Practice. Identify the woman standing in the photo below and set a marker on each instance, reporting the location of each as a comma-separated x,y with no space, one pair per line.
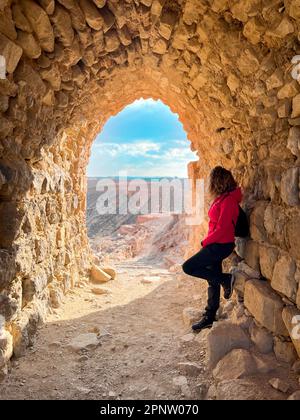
218,244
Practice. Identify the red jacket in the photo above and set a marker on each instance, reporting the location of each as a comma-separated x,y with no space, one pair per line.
223,215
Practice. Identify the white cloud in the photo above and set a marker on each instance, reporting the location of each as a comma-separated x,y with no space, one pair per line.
141,148
142,104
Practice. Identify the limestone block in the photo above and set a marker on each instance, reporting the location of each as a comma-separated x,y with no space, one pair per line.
294,141
6,345
147,3
29,44
265,305
33,80
296,106
110,271
295,396
98,275
262,338
160,47
40,24
87,341
283,279
193,10
284,28
241,10
274,222
100,3
285,351
289,90
252,255
293,236
268,257
253,30
108,20
62,25
275,80
291,318
284,108
156,8
237,364
233,82
92,14
223,338
9,305
279,384
112,41
20,19
294,9
290,186
167,23
33,286
257,227
12,219
7,25
189,368
11,52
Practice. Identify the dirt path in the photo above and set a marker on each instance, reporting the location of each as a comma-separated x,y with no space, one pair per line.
140,348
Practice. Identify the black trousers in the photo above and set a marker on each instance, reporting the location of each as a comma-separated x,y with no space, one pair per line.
207,264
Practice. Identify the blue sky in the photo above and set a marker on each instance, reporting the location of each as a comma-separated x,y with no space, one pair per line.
145,139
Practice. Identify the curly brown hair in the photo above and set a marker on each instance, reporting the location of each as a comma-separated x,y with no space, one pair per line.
221,181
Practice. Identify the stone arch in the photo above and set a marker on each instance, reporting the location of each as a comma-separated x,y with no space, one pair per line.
223,66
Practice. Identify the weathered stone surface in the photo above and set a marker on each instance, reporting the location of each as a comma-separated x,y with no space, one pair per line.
84,342
291,318
295,396
110,271
239,389
189,368
6,346
20,19
160,47
252,255
11,52
52,76
99,291
280,385
265,305
290,187
262,339
92,15
48,6
28,44
294,140
283,279
257,228
7,25
293,236
112,41
296,106
268,257
237,364
98,275
284,351
62,25
223,338
40,24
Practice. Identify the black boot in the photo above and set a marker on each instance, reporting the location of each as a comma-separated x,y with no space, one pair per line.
229,287
206,322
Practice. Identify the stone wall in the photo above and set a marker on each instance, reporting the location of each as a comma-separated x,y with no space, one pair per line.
224,66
